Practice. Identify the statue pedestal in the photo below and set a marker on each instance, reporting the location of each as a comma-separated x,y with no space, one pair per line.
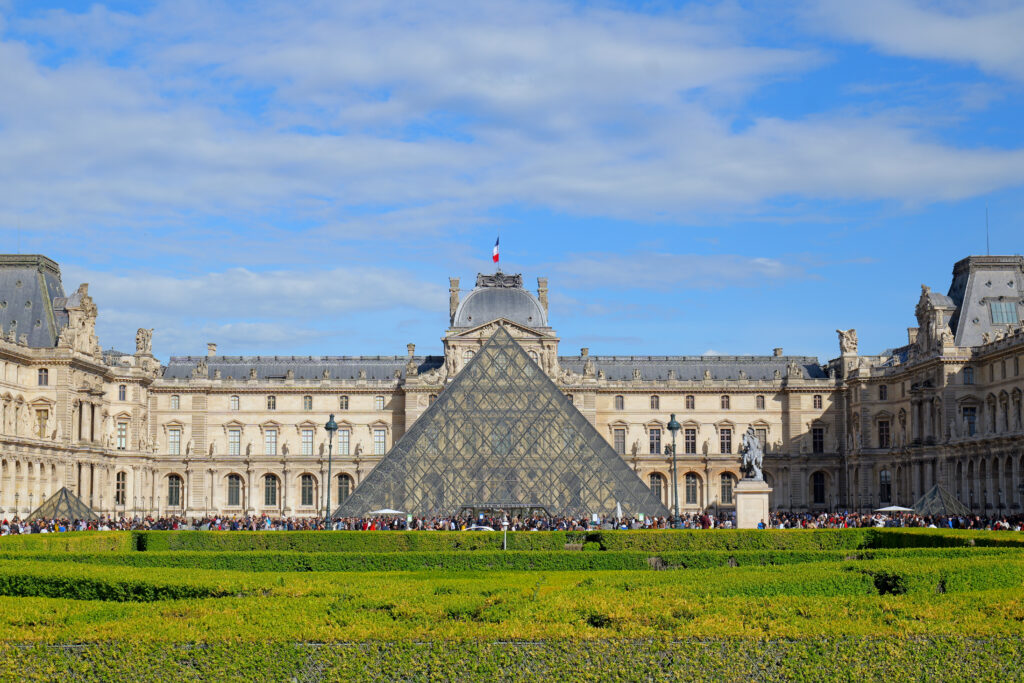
751,503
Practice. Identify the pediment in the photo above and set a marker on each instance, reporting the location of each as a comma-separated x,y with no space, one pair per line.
485,331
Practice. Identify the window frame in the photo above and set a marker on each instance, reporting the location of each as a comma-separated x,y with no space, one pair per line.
690,402
271,402
654,440
234,486
306,437
307,485
234,441
234,403
620,402
759,402
270,441
307,402
120,488
725,440
379,403
122,392
343,402
175,489
270,490
43,377
817,402
380,441
655,402
175,402
725,402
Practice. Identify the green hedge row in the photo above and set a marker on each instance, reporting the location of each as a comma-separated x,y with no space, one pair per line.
513,560
74,542
727,659
111,590
456,541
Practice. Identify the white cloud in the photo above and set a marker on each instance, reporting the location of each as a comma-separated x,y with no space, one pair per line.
242,309
983,33
661,271
415,117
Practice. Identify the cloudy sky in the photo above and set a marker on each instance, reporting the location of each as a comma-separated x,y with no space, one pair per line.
302,178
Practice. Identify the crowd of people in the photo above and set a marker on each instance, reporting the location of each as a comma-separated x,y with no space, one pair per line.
777,520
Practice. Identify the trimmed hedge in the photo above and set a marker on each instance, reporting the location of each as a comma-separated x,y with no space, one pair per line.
69,542
483,560
693,659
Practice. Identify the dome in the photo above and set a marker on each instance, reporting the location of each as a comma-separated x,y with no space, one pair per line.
485,304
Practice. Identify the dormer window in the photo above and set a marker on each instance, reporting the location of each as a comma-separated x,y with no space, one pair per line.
1003,312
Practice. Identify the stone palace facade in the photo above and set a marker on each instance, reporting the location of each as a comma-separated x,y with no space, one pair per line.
244,434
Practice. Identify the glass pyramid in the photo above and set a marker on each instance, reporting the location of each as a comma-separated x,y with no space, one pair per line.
63,505
939,501
502,436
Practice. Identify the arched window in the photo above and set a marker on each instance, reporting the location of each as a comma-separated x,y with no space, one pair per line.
121,488
307,403
270,490
657,486
534,357
44,377
725,403
692,489
817,402
727,484
174,486
467,356
271,402
175,402
344,487
818,488
343,403
655,403
885,486
690,402
234,490
760,402
620,403
307,489
122,392
234,403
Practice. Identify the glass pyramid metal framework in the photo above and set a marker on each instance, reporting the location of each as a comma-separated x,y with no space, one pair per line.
63,505
502,436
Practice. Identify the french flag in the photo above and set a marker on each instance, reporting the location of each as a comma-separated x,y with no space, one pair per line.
494,254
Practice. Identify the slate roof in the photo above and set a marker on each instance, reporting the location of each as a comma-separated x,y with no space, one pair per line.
303,367
29,287
499,296
617,368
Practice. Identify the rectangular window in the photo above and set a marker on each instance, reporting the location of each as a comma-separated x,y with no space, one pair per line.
234,403
174,441
378,403
44,377
762,436
122,436
307,403
41,417
655,442
175,402
270,442
620,441
1004,312
883,392
343,440
971,419
307,442
234,442
120,488
690,441
307,489
883,433
725,439
818,440
122,392
380,441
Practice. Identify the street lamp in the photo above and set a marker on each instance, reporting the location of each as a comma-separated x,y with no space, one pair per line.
673,426
331,427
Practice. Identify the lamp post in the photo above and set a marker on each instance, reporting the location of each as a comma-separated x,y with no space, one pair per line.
331,427
673,426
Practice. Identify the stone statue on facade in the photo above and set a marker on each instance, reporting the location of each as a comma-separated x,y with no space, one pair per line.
144,341
753,456
847,340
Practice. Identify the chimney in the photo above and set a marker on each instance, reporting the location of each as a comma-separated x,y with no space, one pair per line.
777,351
211,349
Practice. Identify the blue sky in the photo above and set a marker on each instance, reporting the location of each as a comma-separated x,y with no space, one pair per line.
691,177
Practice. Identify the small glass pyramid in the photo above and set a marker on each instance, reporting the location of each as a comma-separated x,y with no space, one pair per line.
502,436
63,505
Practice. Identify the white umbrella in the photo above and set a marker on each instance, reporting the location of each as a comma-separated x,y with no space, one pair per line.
385,511
894,508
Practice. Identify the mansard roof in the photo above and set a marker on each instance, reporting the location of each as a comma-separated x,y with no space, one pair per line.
302,367
618,368
29,286
499,296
